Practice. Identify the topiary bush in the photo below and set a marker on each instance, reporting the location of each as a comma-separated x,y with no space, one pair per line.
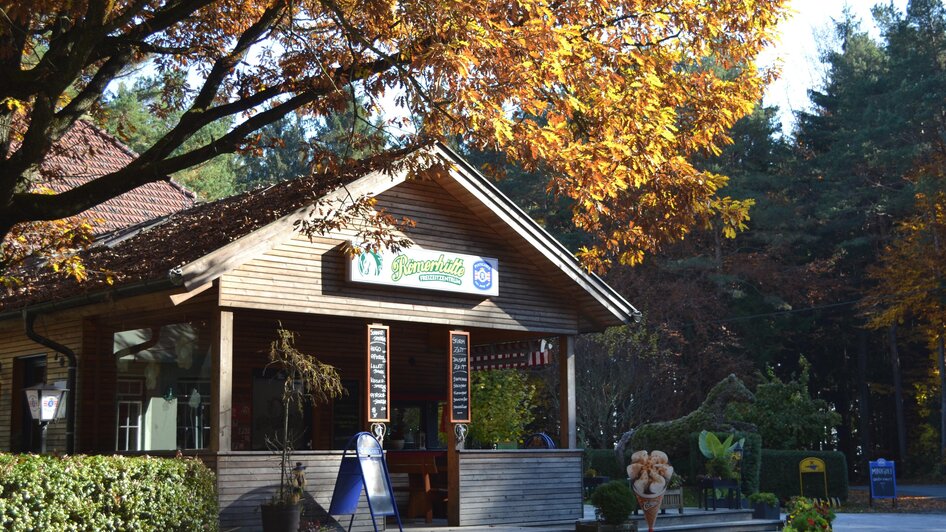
106,493
614,500
780,474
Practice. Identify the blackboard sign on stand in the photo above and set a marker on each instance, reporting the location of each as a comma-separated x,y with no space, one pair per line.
883,480
459,377
379,397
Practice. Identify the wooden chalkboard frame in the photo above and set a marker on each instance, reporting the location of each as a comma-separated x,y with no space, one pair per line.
450,359
387,373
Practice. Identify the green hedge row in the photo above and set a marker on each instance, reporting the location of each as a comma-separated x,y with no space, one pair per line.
604,461
106,493
780,474
751,466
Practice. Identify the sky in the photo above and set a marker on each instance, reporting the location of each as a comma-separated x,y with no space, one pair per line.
808,27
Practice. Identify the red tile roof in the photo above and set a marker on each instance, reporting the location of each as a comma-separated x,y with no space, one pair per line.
86,152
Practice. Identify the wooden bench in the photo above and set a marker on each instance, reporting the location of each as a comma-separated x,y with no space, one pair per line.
419,467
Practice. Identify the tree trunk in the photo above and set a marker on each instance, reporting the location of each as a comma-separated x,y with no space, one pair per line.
864,395
898,392
942,399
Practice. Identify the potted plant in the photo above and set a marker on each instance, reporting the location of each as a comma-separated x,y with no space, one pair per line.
719,455
720,471
613,503
306,381
764,505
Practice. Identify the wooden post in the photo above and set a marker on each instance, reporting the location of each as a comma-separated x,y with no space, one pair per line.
453,478
221,382
568,435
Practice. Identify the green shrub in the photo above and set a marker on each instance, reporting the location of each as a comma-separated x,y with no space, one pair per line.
750,466
780,474
501,401
78,493
614,500
605,463
764,497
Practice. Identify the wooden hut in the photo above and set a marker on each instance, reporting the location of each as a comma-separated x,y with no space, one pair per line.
172,355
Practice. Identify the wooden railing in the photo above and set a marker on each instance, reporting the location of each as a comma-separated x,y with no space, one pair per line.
520,486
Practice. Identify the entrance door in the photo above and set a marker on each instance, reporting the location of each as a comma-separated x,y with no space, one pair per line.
25,433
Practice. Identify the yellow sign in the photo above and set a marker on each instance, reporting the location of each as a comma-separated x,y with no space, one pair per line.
811,465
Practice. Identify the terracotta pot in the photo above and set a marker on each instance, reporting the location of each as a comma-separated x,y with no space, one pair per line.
281,517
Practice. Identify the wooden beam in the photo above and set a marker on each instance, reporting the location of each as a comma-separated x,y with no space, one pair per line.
177,299
221,381
568,431
453,478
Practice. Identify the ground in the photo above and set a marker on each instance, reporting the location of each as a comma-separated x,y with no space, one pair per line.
911,499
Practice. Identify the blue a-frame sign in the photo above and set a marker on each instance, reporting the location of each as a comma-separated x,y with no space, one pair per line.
368,470
883,480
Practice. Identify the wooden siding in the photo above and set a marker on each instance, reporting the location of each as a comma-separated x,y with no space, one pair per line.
524,486
245,480
15,344
87,331
299,275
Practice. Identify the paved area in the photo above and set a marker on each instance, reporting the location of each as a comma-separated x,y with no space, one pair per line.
903,522
843,523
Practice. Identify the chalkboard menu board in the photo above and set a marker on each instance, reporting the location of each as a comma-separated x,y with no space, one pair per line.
346,414
459,377
883,479
379,399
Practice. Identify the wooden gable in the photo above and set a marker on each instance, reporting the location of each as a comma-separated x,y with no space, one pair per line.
300,275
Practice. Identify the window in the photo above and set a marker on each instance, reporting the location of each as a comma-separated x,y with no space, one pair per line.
162,388
129,426
193,414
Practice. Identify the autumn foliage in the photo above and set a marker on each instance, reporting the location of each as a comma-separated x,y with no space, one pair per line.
609,98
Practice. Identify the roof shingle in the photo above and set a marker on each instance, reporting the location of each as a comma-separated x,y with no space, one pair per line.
86,152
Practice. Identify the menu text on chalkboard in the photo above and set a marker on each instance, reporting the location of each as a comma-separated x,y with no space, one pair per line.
379,398
459,377
883,479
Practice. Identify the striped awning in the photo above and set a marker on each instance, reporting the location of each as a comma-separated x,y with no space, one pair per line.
511,355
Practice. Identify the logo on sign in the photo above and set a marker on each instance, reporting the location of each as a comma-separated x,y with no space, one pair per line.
369,263
482,275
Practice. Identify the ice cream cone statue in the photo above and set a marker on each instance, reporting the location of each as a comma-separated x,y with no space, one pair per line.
649,474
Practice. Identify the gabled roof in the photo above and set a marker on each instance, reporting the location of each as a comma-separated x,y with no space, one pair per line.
86,152
198,245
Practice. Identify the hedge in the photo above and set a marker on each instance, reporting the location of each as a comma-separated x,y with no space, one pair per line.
605,462
780,474
106,493
751,466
